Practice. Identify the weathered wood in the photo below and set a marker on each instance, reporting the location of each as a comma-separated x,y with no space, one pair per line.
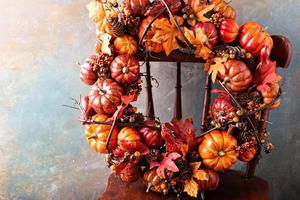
178,103
206,102
149,104
232,187
175,56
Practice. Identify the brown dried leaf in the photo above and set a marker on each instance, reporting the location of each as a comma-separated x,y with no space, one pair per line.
191,187
216,65
198,174
105,41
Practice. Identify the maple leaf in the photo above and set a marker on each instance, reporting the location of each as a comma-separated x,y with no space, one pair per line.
167,33
198,40
200,9
198,174
215,66
179,136
166,163
96,11
104,40
191,187
265,74
200,14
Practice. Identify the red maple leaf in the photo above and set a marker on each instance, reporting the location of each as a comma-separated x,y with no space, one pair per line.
179,136
166,163
265,74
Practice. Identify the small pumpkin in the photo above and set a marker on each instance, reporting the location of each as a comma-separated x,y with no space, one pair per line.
237,75
129,139
147,42
210,31
222,7
218,150
137,7
253,37
105,96
97,134
229,30
211,184
247,155
222,109
88,71
151,137
125,44
270,95
153,181
125,69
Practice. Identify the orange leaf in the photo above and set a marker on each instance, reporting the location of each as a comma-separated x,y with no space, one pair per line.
167,33
191,187
198,40
200,14
216,65
96,11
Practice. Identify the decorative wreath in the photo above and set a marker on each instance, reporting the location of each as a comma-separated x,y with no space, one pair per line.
170,157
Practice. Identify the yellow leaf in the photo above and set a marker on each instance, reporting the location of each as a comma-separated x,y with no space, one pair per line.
200,14
184,148
216,65
166,33
105,41
96,11
191,187
198,174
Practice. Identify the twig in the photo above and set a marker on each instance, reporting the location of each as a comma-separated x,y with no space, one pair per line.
215,128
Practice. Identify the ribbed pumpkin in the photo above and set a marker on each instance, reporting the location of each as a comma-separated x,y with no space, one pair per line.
97,134
152,181
229,30
125,69
254,37
105,96
210,31
270,95
211,184
137,7
221,109
218,150
88,71
224,8
150,136
247,155
238,74
147,42
125,44
129,139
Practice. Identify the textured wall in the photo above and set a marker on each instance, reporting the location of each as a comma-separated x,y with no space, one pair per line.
43,153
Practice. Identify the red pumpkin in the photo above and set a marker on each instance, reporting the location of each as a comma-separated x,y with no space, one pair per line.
129,139
88,71
125,69
210,31
137,7
97,134
238,75
222,108
150,136
211,184
218,150
105,96
229,30
125,44
223,7
147,42
253,37
247,155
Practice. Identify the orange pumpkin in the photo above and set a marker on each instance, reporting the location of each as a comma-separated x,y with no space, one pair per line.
247,155
254,37
129,139
211,184
147,43
153,181
270,95
97,134
125,44
238,75
224,8
218,150
229,30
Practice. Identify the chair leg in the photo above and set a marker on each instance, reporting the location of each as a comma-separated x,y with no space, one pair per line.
206,102
149,104
178,103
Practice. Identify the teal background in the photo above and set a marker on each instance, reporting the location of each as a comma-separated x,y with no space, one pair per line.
43,152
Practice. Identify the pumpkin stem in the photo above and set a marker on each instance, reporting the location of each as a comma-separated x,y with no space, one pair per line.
125,70
222,153
148,187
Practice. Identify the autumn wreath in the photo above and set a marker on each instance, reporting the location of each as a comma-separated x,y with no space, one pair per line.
170,156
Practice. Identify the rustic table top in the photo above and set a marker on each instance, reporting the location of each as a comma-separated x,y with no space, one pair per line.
232,187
